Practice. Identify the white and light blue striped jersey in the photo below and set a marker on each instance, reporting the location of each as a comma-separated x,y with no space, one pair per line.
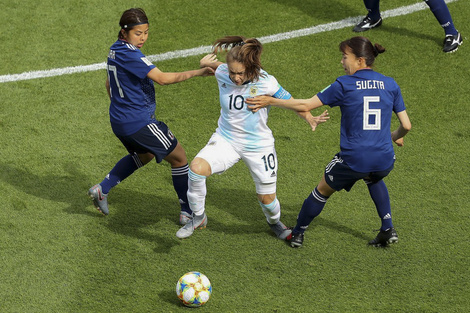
245,130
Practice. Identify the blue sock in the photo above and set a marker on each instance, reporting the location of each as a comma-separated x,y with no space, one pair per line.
373,6
180,183
312,206
379,194
441,12
123,169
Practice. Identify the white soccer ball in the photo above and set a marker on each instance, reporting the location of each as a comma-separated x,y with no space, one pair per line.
193,289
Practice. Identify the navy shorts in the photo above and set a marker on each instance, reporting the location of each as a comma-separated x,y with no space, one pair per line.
339,175
155,138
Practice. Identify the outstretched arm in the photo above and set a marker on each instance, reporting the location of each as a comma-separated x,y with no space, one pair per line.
299,105
403,129
163,78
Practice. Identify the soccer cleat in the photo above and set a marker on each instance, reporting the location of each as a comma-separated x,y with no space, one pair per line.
367,24
452,43
194,223
281,230
100,200
385,238
295,240
185,217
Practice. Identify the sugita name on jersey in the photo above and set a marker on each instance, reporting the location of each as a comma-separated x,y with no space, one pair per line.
370,84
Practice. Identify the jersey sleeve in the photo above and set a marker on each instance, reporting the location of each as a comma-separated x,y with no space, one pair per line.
398,103
221,71
332,94
137,64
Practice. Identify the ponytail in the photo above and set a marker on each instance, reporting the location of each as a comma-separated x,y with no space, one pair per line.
242,50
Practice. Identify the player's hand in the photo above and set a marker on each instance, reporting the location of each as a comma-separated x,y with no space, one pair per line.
314,121
258,102
399,142
209,60
207,71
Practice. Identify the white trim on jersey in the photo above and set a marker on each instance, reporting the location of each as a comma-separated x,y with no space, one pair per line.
132,47
159,134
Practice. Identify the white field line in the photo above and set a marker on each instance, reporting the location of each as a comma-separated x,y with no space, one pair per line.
348,22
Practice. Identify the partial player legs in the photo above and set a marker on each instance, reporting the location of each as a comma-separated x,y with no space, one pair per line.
196,196
123,169
272,211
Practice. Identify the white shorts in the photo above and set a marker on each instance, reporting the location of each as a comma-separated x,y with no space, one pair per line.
221,156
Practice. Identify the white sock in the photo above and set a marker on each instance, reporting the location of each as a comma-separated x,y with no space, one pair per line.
272,211
196,192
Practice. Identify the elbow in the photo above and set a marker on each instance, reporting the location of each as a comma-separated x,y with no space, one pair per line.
407,127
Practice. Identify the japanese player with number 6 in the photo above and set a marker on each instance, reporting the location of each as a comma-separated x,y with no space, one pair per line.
241,133
366,99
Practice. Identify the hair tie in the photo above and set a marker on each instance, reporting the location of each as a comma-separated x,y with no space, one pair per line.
376,51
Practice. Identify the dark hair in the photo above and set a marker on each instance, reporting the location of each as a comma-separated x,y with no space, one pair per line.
131,18
362,47
246,51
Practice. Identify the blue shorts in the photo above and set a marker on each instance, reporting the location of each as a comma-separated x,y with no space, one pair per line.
155,138
339,175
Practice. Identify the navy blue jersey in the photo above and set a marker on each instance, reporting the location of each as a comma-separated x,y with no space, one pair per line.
367,100
132,92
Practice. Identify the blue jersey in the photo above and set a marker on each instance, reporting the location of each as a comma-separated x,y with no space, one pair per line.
132,92
367,100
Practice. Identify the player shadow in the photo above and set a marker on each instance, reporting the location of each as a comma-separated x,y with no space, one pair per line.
130,214
50,187
323,10
341,228
133,212
236,204
405,32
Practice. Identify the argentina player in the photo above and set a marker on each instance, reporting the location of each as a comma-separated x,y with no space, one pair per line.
366,99
132,112
241,134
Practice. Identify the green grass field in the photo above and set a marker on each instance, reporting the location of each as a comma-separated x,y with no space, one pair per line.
58,254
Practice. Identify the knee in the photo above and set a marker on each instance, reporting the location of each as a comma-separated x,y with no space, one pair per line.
201,167
267,199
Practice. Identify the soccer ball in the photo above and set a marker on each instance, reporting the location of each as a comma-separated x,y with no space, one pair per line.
193,289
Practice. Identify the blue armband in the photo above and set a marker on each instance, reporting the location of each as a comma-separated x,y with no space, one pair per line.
281,93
